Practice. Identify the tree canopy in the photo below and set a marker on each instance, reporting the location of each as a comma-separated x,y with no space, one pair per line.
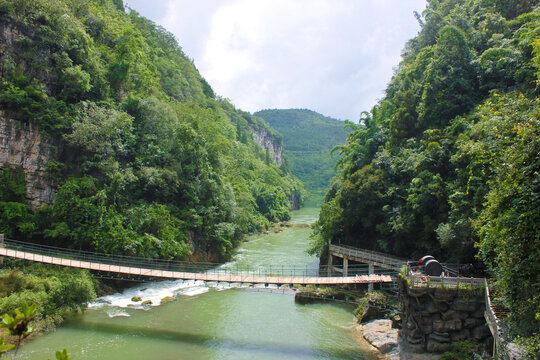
447,162
154,163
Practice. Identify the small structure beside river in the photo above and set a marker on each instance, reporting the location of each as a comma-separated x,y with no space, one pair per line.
435,316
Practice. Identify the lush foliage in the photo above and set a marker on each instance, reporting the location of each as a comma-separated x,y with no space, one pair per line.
18,326
447,162
463,350
153,163
16,217
308,137
55,291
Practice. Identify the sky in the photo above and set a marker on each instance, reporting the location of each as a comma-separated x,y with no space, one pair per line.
332,56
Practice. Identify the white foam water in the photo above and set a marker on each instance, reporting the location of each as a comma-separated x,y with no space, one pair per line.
154,292
116,312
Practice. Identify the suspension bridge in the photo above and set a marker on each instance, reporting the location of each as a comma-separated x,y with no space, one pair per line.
378,268
140,268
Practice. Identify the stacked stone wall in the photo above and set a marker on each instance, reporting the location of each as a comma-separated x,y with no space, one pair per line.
433,318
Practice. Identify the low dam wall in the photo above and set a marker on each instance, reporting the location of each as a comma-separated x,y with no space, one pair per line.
434,317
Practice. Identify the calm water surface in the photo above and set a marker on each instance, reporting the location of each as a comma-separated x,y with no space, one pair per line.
210,321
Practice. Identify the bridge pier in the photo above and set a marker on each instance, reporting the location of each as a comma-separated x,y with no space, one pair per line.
329,270
371,270
345,266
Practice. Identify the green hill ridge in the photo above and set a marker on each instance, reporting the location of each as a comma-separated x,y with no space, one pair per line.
308,139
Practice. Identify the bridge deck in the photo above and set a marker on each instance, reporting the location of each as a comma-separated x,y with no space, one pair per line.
206,276
367,256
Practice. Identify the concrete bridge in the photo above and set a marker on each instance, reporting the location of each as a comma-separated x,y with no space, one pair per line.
162,269
372,258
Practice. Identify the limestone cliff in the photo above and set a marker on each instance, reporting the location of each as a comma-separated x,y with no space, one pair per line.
266,140
296,199
23,146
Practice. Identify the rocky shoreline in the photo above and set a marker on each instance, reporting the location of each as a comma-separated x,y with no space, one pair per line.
386,341
374,331
380,334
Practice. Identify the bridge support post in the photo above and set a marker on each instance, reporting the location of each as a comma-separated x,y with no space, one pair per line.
345,266
371,270
329,270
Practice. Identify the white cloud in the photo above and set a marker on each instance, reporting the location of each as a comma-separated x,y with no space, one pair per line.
332,56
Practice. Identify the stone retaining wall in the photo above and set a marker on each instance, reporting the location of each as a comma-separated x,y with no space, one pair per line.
432,318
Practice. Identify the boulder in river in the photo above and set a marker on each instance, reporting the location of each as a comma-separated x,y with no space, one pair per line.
167,299
372,306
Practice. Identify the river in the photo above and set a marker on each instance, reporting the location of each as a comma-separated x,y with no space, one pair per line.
213,321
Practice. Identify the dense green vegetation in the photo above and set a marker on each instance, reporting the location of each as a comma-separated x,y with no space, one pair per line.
55,291
153,163
308,137
18,327
447,162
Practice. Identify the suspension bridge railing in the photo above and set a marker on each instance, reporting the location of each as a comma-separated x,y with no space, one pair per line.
38,250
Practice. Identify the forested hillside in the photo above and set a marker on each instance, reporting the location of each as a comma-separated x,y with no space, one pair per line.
148,161
447,163
308,137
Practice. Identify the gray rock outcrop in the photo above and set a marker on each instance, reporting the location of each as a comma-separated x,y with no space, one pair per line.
380,334
267,141
24,147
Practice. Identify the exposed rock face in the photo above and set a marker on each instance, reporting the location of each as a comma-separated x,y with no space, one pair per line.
295,200
23,146
380,334
11,47
267,141
275,147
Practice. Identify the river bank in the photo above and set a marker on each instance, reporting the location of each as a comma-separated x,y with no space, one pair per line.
213,320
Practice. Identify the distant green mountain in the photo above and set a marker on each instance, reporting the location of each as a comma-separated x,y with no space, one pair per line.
308,138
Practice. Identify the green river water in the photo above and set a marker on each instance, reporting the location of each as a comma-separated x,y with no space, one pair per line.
213,322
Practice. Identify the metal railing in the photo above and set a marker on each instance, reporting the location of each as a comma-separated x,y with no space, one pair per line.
501,348
377,258
114,261
418,279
